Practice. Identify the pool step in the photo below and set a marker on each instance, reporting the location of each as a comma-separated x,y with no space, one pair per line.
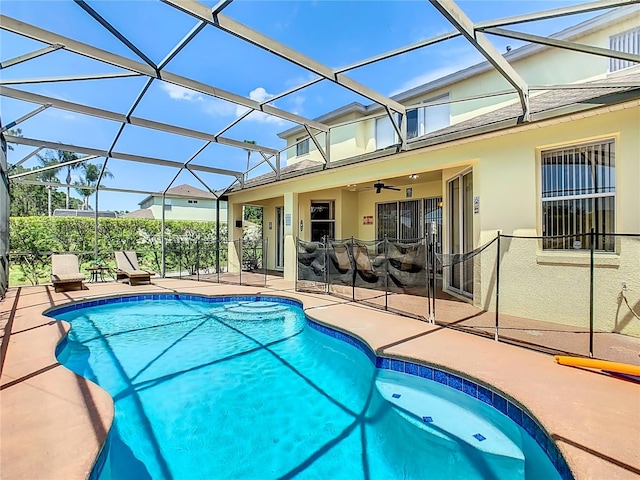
451,416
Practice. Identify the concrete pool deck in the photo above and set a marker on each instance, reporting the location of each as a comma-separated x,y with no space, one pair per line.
53,423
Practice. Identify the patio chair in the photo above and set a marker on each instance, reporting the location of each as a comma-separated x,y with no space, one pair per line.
128,268
65,272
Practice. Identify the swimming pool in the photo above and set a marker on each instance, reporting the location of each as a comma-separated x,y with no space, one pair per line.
248,388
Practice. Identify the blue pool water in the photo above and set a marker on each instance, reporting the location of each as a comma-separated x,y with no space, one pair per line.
247,390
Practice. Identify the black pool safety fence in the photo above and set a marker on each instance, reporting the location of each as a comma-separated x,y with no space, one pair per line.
572,294
241,262
201,259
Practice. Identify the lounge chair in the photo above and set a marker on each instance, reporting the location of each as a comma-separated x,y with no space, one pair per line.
128,268
65,272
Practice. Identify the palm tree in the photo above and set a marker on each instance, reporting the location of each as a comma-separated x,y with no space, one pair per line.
91,173
67,157
48,160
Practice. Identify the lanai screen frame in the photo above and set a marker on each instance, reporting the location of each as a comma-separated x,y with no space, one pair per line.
474,33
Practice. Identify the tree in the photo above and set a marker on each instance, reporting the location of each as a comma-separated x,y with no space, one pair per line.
31,200
68,157
90,179
16,132
47,160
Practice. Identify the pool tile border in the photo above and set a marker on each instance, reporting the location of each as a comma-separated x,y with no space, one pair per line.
467,386
483,393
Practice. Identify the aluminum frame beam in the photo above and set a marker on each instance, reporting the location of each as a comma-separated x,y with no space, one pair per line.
24,117
28,56
69,78
15,26
25,158
114,31
317,144
221,5
565,44
454,14
117,155
121,118
88,187
202,12
400,51
54,167
181,44
556,12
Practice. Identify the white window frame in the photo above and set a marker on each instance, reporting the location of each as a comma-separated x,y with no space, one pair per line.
627,42
384,127
302,146
424,125
332,214
574,177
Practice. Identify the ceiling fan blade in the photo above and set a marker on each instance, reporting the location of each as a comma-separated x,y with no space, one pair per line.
392,188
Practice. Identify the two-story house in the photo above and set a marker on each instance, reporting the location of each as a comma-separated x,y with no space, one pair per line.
473,165
184,202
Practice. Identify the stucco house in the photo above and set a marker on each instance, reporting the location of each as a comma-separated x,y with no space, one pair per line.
184,202
474,164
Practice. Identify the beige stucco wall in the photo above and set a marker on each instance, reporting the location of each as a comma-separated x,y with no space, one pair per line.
541,285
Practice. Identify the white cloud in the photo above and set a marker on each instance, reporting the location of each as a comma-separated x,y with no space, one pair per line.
259,95
298,101
177,92
460,64
221,108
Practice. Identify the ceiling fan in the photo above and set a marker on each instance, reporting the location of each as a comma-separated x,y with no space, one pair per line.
379,186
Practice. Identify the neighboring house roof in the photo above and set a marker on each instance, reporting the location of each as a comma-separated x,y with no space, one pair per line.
63,212
581,29
141,213
550,104
183,191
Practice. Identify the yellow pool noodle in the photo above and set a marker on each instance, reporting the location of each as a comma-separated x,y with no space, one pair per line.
600,364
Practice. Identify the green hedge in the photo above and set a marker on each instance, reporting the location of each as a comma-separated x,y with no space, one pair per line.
190,246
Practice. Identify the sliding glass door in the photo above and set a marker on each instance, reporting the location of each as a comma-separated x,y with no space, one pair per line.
460,191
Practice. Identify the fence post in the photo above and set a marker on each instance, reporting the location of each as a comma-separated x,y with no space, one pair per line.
240,248
198,259
425,242
265,249
353,277
325,241
591,285
496,335
386,272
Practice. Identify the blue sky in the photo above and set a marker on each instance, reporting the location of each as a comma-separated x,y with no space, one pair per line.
336,33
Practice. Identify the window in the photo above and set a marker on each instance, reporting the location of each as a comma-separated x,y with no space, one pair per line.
167,204
408,220
578,193
385,133
423,120
302,148
628,42
322,220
